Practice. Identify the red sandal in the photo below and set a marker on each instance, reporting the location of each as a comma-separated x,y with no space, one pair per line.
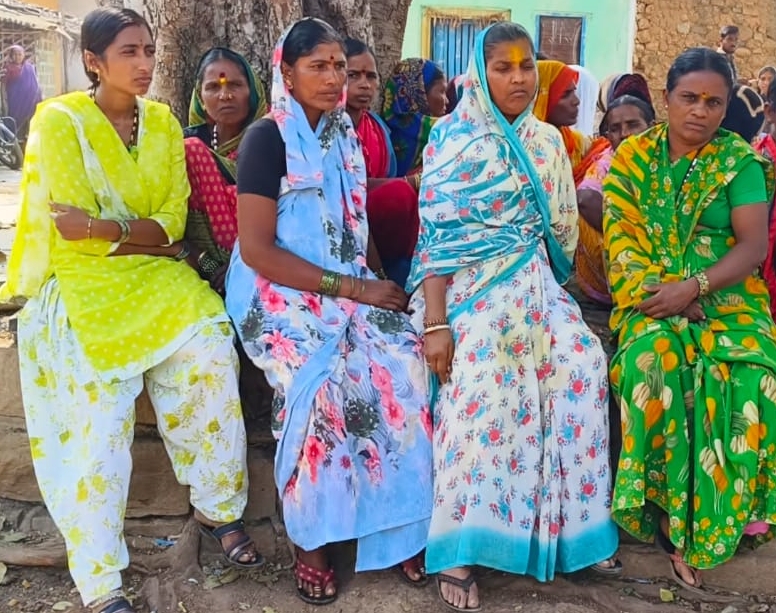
319,580
416,563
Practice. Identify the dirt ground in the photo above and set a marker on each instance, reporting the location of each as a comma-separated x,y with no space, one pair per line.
207,587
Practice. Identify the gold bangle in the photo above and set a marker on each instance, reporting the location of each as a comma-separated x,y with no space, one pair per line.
431,329
352,293
429,323
89,228
703,283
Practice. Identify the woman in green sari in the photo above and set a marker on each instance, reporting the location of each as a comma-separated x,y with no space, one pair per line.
226,99
685,226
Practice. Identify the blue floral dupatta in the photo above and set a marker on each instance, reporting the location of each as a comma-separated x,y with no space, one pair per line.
479,184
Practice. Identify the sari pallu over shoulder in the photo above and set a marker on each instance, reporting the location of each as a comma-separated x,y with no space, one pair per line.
489,165
75,157
643,235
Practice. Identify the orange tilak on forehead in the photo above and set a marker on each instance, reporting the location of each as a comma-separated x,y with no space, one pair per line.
222,80
516,54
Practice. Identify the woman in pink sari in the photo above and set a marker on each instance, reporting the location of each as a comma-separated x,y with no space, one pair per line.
392,203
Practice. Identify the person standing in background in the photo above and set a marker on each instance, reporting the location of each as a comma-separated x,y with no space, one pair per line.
22,90
728,43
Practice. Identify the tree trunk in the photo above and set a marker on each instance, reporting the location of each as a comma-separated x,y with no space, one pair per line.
187,28
388,22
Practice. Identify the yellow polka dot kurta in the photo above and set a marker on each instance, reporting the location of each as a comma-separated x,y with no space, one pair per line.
128,312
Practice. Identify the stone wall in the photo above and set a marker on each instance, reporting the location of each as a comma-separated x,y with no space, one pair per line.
664,28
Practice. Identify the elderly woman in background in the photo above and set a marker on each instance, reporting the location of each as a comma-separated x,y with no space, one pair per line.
22,90
414,98
625,116
391,202
226,98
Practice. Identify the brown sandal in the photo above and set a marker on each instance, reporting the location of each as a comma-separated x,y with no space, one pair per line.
319,579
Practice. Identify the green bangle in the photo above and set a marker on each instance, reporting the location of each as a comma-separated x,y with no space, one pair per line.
207,265
330,283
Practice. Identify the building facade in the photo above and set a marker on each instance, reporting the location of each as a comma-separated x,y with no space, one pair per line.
47,36
597,34
664,28
605,36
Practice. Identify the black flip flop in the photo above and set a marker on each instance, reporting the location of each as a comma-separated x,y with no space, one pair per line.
464,584
608,571
119,606
239,549
665,545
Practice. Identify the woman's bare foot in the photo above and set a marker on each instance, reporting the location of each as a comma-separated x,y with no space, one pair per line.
461,594
318,560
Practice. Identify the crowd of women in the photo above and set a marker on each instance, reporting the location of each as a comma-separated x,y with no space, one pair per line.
399,279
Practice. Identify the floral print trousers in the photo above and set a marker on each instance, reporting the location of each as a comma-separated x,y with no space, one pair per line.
81,429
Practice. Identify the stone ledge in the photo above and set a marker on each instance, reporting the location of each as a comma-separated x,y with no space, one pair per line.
153,489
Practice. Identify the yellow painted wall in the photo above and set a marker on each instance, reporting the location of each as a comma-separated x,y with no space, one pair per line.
49,4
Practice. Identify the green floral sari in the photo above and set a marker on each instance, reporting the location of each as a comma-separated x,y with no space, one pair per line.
698,400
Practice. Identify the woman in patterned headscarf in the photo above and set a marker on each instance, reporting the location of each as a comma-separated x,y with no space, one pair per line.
226,99
413,100
351,411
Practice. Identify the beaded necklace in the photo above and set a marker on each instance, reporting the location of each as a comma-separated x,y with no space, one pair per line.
132,144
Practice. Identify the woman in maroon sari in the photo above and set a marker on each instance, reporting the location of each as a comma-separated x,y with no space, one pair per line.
392,203
22,91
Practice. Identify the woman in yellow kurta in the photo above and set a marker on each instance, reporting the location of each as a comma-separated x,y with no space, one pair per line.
111,306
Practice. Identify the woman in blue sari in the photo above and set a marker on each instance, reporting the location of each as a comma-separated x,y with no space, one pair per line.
350,410
520,401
